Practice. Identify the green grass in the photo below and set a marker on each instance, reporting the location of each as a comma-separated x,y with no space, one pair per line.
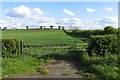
93,67
45,38
24,34
26,64
55,49
0,68
13,66
100,67
40,37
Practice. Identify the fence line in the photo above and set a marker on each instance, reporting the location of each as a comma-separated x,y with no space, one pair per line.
48,48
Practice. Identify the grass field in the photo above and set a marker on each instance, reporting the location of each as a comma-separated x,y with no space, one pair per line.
21,65
39,36
26,34
56,41
51,41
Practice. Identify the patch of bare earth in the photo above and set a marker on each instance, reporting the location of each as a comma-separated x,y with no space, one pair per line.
58,69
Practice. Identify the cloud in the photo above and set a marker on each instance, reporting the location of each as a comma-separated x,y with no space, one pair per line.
69,12
109,21
89,24
72,22
90,10
107,9
3,23
11,23
67,22
37,11
22,16
21,11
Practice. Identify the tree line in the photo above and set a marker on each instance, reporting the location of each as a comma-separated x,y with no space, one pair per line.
51,27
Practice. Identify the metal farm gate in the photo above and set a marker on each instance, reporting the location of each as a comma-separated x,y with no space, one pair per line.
53,46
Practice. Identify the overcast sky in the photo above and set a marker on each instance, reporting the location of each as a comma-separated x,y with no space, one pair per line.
84,15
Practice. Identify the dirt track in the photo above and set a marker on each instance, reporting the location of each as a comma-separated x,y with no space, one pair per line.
58,69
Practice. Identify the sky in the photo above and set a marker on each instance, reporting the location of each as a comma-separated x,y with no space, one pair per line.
81,15
59,0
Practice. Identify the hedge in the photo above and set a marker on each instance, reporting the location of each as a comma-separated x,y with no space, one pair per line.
9,46
89,33
104,44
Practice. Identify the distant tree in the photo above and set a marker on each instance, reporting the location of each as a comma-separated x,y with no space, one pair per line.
109,30
59,27
0,28
44,27
63,28
27,27
51,26
40,27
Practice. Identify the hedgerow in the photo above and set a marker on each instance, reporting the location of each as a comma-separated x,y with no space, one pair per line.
9,47
88,33
104,44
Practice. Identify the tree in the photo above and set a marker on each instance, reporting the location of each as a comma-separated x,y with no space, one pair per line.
59,27
51,26
40,27
63,28
109,30
44,27
27,27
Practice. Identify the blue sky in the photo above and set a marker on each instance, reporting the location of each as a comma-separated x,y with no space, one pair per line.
59,0
65,12
55,8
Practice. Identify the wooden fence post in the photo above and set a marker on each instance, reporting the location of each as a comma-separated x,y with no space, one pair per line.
20,47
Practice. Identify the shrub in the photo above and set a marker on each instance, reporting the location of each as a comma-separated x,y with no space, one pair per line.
103,44
9,47
110,30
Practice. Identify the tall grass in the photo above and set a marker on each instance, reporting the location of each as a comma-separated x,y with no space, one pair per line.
21,64
105,68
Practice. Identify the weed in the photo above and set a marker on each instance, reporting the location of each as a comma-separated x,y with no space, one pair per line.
43,70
